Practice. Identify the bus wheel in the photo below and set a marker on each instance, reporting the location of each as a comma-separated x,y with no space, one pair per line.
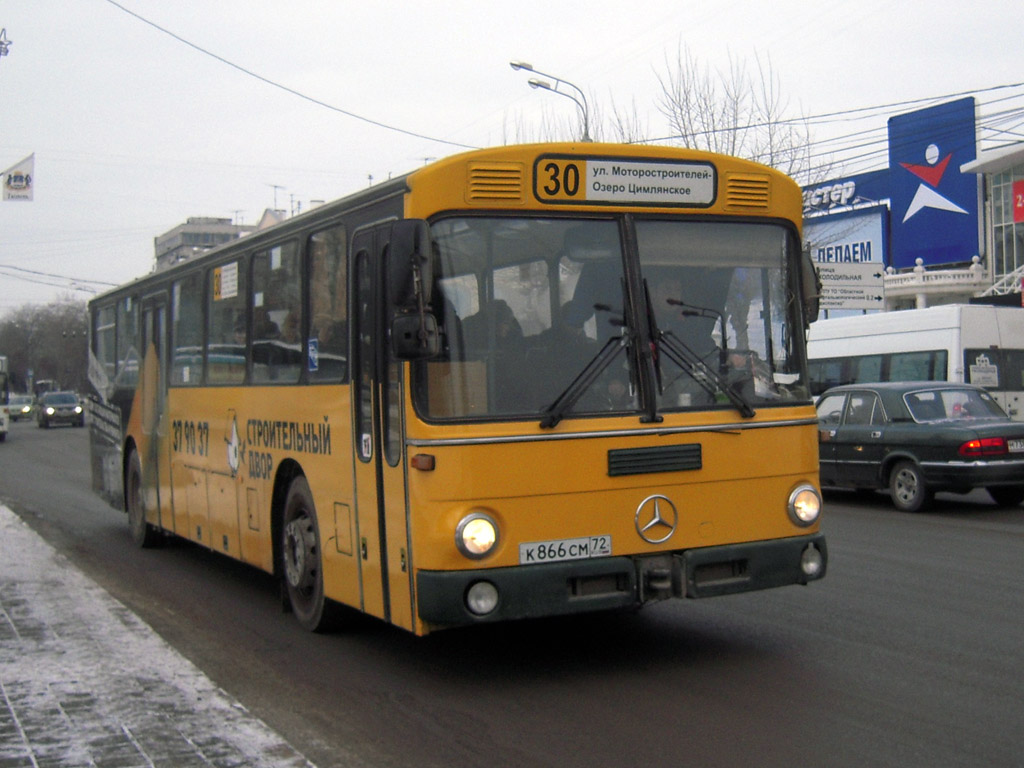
909,491
1006,495
300,554
143,534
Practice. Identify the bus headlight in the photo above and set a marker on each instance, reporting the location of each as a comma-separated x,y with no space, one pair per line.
476,535
804,505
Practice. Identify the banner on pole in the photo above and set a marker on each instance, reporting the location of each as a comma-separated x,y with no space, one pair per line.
19,181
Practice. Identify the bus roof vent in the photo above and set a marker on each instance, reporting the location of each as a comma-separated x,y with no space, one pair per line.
747,190
490,181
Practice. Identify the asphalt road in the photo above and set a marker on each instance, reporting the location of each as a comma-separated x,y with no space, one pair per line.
909,653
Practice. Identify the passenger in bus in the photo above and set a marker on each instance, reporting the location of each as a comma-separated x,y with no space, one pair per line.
494,335
290,328
690,320
493,328
598,295
264,327
558,355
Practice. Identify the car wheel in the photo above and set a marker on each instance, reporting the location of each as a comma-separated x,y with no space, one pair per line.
143,534
1007,495
910,493
302,560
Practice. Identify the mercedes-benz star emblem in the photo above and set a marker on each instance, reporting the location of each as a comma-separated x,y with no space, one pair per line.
656,519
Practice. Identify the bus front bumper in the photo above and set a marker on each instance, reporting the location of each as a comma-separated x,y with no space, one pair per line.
576,586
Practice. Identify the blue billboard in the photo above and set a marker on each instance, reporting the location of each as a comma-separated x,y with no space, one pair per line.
841,194
934,206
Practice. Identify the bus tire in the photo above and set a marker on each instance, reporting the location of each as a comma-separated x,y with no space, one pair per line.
143,534
910,492
1006,495
301,559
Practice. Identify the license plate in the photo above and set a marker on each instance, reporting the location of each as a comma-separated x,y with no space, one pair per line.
1015,446
565,549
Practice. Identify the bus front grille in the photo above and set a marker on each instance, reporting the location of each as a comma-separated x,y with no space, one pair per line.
663,458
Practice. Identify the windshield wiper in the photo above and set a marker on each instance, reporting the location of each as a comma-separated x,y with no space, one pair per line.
689,361
693,364
555,412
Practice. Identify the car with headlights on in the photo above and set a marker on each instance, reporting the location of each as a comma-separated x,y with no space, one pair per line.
22,407
917,438
60,408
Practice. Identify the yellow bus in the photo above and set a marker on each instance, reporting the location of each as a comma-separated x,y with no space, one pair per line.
519,382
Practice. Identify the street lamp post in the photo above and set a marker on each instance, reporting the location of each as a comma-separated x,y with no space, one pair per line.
580,102
5,44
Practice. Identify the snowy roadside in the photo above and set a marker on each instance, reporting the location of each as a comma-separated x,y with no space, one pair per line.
83,681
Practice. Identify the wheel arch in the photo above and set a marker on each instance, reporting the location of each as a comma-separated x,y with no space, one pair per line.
891,461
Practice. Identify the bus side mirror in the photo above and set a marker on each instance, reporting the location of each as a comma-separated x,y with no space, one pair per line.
409,280
810,286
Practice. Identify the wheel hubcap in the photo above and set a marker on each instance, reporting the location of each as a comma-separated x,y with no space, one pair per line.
906,486
299,553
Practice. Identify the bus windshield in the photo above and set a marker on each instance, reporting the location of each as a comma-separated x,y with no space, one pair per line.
554,317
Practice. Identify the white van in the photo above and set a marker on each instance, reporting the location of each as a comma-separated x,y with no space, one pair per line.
964,343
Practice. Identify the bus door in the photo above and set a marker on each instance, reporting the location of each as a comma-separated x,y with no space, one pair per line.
382,523
154,452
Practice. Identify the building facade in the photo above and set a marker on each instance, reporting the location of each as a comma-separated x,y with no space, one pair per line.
943,224
196,235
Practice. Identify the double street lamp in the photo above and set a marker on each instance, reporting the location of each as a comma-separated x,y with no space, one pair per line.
580,102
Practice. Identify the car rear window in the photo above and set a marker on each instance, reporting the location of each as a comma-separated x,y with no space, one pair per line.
952,404
61,400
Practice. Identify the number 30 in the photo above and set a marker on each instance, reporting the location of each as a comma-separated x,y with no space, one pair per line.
562,180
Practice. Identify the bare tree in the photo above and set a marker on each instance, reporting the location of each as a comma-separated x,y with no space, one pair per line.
49,341
734,112
625,124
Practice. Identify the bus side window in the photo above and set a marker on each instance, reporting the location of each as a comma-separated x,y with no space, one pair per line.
104,335
327,361
225,340
277,315
129,356
187,331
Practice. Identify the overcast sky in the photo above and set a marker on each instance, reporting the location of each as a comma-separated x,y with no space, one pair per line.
134,130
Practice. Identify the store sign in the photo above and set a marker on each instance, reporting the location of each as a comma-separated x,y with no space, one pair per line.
934,205
861,189
848,253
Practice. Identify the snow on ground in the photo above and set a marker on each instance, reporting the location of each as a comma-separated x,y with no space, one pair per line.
83,681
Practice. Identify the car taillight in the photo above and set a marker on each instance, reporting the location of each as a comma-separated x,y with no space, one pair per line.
986,446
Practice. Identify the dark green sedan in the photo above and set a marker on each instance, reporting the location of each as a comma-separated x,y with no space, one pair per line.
916,438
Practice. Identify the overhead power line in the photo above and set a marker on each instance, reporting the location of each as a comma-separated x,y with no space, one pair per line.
1008,132
285,88
87,285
